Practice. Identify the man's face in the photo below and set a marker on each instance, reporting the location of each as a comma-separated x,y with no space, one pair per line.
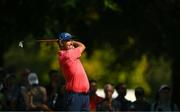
93,87
165,94
122,90
68,44
109,91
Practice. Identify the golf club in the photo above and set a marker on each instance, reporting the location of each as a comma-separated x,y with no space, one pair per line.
21,43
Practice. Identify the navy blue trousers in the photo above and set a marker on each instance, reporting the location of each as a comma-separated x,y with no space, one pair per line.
76,101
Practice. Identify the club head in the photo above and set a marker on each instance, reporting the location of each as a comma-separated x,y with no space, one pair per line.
21,44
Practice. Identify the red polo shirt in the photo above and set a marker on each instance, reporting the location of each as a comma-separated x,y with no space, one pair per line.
94,100
73,70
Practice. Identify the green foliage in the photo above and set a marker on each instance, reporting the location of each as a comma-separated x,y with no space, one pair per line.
98,64
69,4
159,72
38,57
138,74
110,4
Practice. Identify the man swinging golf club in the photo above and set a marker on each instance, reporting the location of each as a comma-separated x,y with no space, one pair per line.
77,84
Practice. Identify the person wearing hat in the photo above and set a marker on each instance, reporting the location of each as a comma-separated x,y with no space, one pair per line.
163,100
77,84
36,96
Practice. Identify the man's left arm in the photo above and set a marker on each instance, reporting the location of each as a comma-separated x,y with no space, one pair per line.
79,44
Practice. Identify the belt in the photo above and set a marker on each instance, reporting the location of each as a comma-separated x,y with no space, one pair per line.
82,93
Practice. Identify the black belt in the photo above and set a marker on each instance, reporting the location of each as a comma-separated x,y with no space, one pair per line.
82,93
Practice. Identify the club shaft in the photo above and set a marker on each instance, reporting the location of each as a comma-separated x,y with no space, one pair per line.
47,40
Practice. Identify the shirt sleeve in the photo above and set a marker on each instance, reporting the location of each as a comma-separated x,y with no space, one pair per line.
75,53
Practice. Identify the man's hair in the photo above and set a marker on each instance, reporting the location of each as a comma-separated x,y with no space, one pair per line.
139,91
53,72
92,80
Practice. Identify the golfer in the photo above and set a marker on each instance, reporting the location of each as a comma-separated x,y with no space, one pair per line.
77,84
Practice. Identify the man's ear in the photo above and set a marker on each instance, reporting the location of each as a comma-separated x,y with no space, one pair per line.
60,43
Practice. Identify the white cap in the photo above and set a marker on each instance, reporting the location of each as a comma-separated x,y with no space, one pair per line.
33,79
163,87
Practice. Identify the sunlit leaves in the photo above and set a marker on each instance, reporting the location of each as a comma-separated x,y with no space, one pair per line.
38,57
110,4
138,74
159,71
69,4
97,66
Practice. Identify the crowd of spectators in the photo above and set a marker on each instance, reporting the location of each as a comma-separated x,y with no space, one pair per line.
27,94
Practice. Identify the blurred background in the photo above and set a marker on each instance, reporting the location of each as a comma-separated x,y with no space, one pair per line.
131,41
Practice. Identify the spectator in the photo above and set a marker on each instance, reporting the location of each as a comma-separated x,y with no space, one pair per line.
140,104
108,104
94,98
60,106
52,88
122,90
2,102
36,95
10,91
163,100
2,74
2,96
54,92
22,88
